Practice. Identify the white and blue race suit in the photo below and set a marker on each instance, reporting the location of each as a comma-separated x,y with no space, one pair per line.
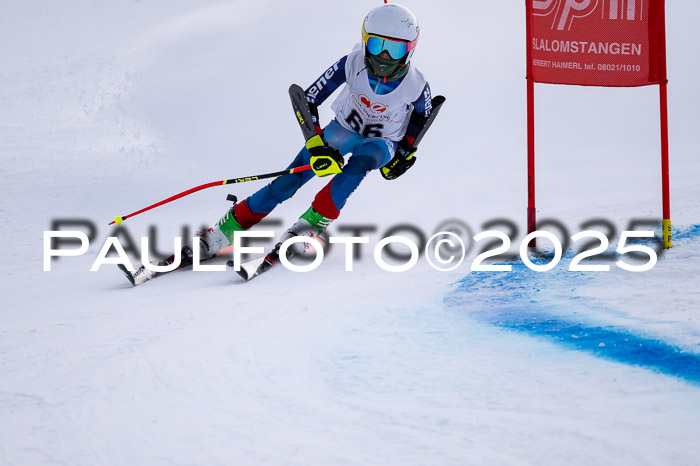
371,117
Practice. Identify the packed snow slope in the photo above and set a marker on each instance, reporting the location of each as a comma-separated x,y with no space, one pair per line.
106,107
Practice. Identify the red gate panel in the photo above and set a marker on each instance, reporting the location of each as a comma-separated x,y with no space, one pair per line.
596,42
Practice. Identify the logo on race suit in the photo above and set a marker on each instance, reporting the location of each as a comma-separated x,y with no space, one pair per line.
322,82
376,107
564,12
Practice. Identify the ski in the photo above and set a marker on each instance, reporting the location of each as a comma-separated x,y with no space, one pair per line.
252,268
142,274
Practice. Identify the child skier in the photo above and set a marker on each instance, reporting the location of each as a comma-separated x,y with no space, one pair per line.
378,115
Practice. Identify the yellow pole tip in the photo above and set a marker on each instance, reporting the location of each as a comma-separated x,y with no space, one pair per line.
118,220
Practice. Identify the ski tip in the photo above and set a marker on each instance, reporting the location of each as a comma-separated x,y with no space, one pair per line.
128,274
244,275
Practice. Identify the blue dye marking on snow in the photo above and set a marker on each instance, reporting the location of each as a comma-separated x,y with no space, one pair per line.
691,233
513,301
609,343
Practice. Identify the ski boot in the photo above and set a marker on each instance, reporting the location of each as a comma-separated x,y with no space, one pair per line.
311,224
214,239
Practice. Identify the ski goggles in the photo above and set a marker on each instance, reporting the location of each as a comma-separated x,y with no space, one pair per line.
397,48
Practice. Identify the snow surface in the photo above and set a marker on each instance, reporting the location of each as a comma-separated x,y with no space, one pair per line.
107,107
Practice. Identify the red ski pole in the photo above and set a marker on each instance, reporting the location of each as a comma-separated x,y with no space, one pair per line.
119,220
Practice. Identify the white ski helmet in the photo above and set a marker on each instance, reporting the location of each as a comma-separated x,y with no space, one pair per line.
391,21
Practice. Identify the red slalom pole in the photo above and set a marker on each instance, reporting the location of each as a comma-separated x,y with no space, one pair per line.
531,212
531,215
119,220
666,190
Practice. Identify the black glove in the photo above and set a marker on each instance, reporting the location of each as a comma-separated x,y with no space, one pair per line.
325,160
404,158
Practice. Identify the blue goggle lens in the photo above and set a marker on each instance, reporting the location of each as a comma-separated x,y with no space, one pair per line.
376,45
